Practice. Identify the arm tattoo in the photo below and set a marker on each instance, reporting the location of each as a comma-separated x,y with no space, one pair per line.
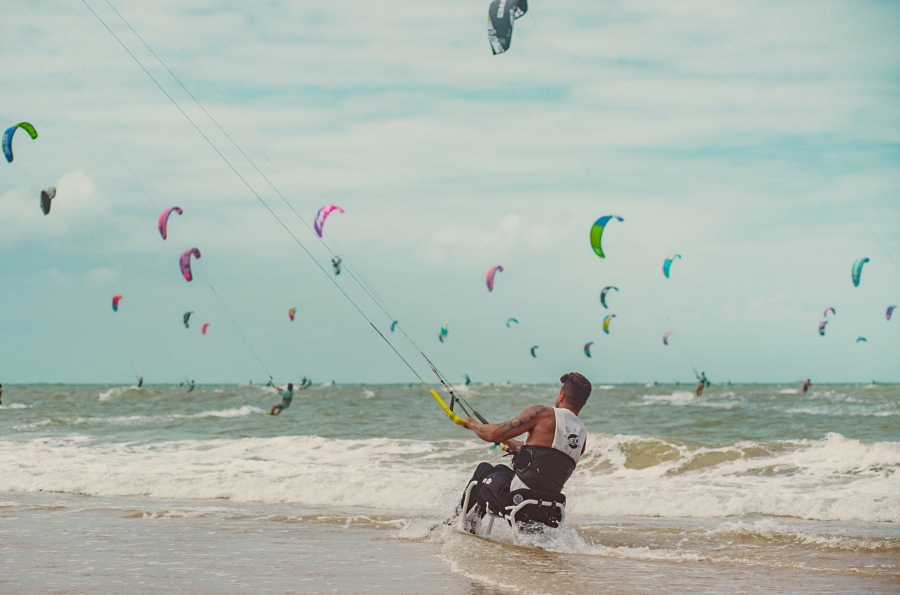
527,416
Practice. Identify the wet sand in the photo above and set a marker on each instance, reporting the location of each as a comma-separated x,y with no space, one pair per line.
67,544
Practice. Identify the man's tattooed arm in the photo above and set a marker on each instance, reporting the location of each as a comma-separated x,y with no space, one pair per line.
509,429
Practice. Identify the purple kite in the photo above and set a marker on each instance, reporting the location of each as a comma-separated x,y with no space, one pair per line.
185,262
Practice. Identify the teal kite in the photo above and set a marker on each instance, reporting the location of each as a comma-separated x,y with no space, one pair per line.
603,293
857,270
8,136
511,320
668,264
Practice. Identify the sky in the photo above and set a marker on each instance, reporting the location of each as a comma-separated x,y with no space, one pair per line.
759,140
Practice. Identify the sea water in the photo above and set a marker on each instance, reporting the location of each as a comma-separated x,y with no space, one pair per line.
743,488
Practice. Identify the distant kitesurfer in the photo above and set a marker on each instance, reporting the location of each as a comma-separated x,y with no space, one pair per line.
468,380
287,395
1,394
549,429
807,384
703,383
140,381
191,387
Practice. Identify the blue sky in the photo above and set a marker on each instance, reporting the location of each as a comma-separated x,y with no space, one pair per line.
757,139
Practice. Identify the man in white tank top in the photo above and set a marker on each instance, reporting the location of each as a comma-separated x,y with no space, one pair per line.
556,427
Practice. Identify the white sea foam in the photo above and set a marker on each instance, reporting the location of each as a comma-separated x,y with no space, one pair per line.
118,390
789,391
236,412
676,398
775,530
15,406
831,479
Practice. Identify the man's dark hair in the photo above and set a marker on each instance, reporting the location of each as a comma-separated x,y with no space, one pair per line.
576,387
290,386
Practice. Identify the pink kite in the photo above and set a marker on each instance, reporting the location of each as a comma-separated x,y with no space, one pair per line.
115,304
204,327
185,262
322,215
164,219
489,278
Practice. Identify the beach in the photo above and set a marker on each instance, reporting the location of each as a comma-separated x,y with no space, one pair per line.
745,489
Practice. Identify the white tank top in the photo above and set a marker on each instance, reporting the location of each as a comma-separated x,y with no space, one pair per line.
570,437
570,433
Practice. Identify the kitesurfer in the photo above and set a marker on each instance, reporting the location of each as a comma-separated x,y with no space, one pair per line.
807,384
1,394
287,395
191,387
703,383
140,381
556,427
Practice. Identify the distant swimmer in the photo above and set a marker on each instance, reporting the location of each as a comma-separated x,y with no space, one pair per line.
807,384
287,395
140,381
703,383
191,387
556,440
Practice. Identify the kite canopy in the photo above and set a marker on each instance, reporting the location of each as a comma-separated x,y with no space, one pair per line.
827,310
8,136
603,293
509,320
204,327
666,336
822,327
47,194
533,354
858,339
115,302
606,322
185,262
857,270
186,318
164,219
587,348
501,16
394,325
292,312
597,233
489,278
444,330
668,264
322,215
889,312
